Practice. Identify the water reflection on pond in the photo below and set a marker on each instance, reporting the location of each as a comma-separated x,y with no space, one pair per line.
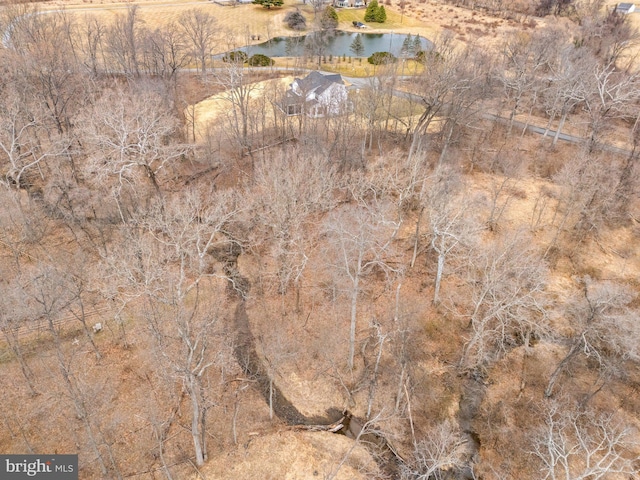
339,43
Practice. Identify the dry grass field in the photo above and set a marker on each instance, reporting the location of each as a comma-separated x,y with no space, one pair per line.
239,23
216,107
236,24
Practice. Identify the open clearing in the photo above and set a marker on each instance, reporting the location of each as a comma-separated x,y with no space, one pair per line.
217,106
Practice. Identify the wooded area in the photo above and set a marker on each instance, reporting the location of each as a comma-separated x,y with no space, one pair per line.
441,282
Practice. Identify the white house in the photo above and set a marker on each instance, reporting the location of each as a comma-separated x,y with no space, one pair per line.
316,95
625,8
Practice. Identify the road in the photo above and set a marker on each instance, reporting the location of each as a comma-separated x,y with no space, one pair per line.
359,83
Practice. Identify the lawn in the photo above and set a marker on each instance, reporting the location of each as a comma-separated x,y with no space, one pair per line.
395,21
350,66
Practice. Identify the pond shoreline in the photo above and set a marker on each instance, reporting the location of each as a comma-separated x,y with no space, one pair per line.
339,43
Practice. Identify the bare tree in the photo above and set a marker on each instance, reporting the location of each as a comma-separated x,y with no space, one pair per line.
122,43
605,91
575,445
526,58
25,144
290,187
93,46
368,105
360,241
610,36
126,132
237,85
507,291
11,321
451,85
587,200
604,328
45,56
451,225
164,52
367,431
200,30
611,93
463,107
49,299
567,89
166,266
317,6
436,455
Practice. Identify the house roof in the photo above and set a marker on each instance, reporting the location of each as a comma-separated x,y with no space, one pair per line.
625,7
318,82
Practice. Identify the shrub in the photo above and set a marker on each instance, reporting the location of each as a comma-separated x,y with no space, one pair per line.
381,58
295,20
259,60
269,3
235,56
428,56
329,18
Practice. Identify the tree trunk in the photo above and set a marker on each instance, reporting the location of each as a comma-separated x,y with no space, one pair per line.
374,380
270,398
439,271
416,242
560,126
195,420
399,393
14,344
83,319
556,373
447,142
352,328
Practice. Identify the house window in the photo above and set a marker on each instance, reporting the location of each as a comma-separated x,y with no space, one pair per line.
294,109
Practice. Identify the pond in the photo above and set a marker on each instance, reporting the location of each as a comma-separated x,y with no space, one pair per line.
339,43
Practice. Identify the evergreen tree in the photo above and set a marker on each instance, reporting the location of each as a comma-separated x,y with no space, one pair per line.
370,13
407,46
381,14
357,47
417,45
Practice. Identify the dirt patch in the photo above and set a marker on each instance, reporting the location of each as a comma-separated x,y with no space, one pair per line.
289,455
216,108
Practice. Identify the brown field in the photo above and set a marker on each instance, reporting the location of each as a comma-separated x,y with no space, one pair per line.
238,24
242,21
